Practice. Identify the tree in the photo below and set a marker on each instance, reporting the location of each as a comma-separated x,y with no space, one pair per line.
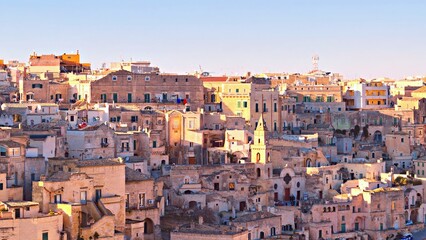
357,129
365,132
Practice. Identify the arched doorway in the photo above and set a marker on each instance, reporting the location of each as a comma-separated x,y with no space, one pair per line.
378,136
358,224
148,226
192,204
308,162
262,235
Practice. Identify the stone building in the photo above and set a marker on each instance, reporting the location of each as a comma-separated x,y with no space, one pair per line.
144,201
205,231
92,142
20,220
151,89
366,95
260,224
90,194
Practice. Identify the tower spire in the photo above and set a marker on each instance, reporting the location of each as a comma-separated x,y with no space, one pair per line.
261,123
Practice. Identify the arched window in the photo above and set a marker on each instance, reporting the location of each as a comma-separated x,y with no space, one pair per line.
273,231
257,157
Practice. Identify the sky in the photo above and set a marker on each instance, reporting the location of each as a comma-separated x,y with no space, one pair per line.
369,39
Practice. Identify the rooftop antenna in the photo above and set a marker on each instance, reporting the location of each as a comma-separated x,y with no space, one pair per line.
315,60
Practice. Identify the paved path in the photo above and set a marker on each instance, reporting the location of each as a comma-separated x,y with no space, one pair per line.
420,235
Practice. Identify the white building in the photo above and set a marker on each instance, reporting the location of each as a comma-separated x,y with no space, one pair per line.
367,95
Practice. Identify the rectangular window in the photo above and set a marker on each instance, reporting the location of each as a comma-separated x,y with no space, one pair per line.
238,104
98,194
275,107
58,198
237,90
127,200
134,145
141,199
264,107
319,99
83,197
343,227
154,144
45,236
3,151
129,97
306,99
1,186
257,107
231,186
134,119
115,97
244,104
147,98
103,98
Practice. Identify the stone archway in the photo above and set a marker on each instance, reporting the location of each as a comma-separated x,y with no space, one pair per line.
359,224
414,214
148,226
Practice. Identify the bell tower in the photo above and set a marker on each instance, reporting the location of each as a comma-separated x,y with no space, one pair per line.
260,153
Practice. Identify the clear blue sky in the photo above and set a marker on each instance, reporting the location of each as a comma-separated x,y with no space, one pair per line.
356,38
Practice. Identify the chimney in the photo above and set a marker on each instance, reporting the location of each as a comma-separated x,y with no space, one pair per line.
200,220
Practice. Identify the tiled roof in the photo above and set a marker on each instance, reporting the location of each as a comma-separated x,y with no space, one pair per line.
10,143
59,177
98,162
254,216
133,175
420,90
209,229
214,79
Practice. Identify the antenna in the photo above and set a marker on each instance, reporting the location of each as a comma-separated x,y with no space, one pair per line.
315,60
